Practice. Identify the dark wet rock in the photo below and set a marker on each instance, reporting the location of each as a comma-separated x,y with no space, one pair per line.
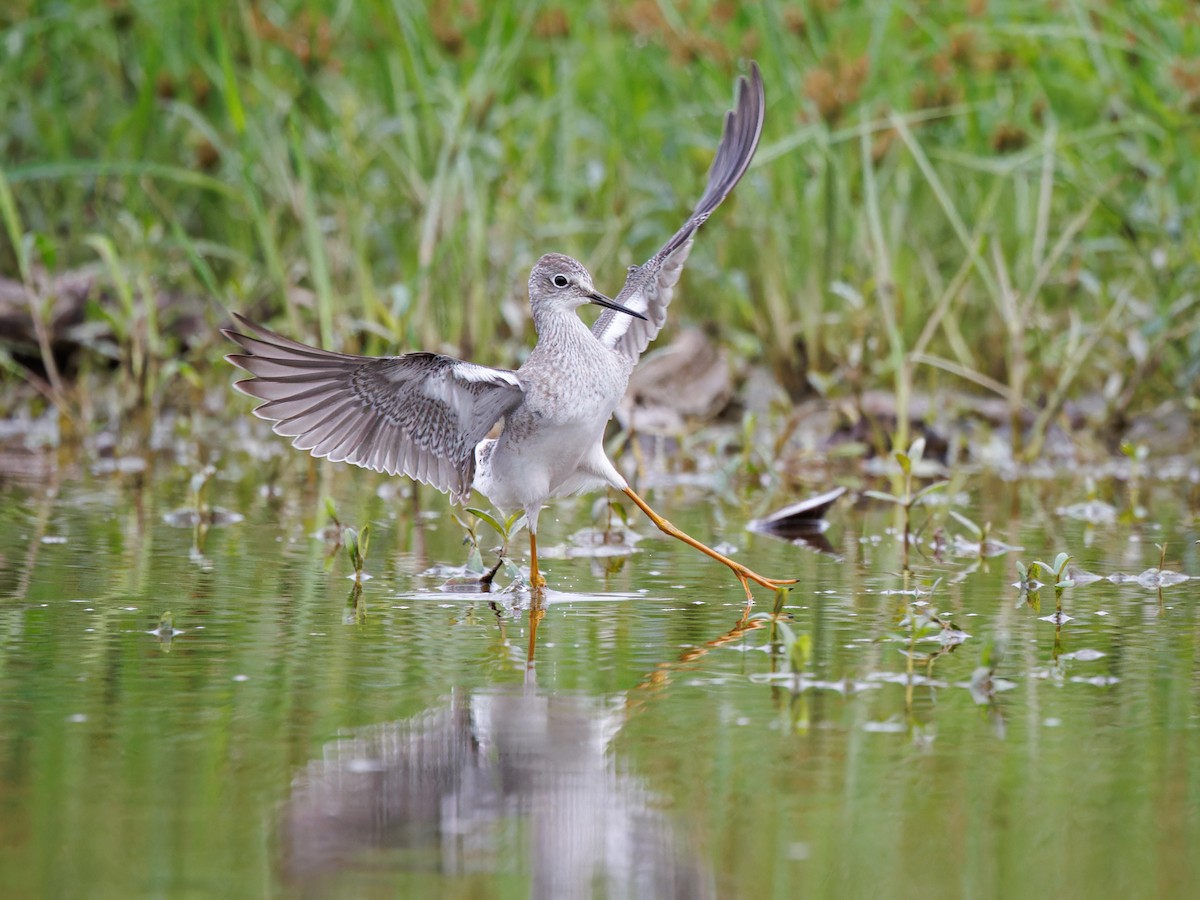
1170,428
469,580
28,447
802,523
67,295
872,422
73,326
804,516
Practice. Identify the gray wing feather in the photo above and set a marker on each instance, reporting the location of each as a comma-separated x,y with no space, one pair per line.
649,287
420,414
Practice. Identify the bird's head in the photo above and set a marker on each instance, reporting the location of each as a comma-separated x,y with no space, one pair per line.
558,282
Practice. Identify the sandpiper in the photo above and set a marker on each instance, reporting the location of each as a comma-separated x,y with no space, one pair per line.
427,416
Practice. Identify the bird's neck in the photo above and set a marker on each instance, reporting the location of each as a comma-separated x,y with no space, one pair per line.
559,326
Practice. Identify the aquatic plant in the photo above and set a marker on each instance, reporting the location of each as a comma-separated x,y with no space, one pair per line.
908,498
1030,584
475,573
357,541
794,648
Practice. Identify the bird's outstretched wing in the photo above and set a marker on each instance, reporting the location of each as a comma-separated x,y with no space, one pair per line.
648,288
420,414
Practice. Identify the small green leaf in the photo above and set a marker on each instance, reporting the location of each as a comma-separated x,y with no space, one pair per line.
620,512
489,519
364,541
47,250
12,225
189,374
905,462
513,525
916,451
880,495
929,489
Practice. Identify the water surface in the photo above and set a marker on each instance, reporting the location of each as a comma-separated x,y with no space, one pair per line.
294,739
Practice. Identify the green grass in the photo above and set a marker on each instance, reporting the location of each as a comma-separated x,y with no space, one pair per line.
1001,199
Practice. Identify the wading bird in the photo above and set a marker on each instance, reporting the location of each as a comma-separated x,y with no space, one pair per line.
426,415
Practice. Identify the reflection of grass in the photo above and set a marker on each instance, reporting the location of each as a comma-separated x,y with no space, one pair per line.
1003,191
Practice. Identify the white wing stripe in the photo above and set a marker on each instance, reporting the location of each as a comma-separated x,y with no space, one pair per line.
473,373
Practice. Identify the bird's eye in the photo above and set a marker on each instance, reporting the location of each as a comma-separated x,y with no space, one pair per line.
560,281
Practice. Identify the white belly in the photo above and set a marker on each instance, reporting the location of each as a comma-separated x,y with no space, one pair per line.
521,470
552,443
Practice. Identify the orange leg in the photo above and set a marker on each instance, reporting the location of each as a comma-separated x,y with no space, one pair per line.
743,574
536,581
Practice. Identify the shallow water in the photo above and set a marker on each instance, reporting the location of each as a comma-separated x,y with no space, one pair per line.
291,739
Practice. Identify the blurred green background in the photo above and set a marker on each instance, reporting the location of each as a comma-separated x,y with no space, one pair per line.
998,197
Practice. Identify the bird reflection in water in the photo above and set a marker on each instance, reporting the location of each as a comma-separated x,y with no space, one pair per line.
507,782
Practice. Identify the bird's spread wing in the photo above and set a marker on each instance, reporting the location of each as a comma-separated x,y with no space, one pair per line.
420,414
648,288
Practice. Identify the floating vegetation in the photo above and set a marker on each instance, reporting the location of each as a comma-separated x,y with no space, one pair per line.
1030,585
190,517
1061,575
199,514
473,575
166,631
1094,512
980,544
166,627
